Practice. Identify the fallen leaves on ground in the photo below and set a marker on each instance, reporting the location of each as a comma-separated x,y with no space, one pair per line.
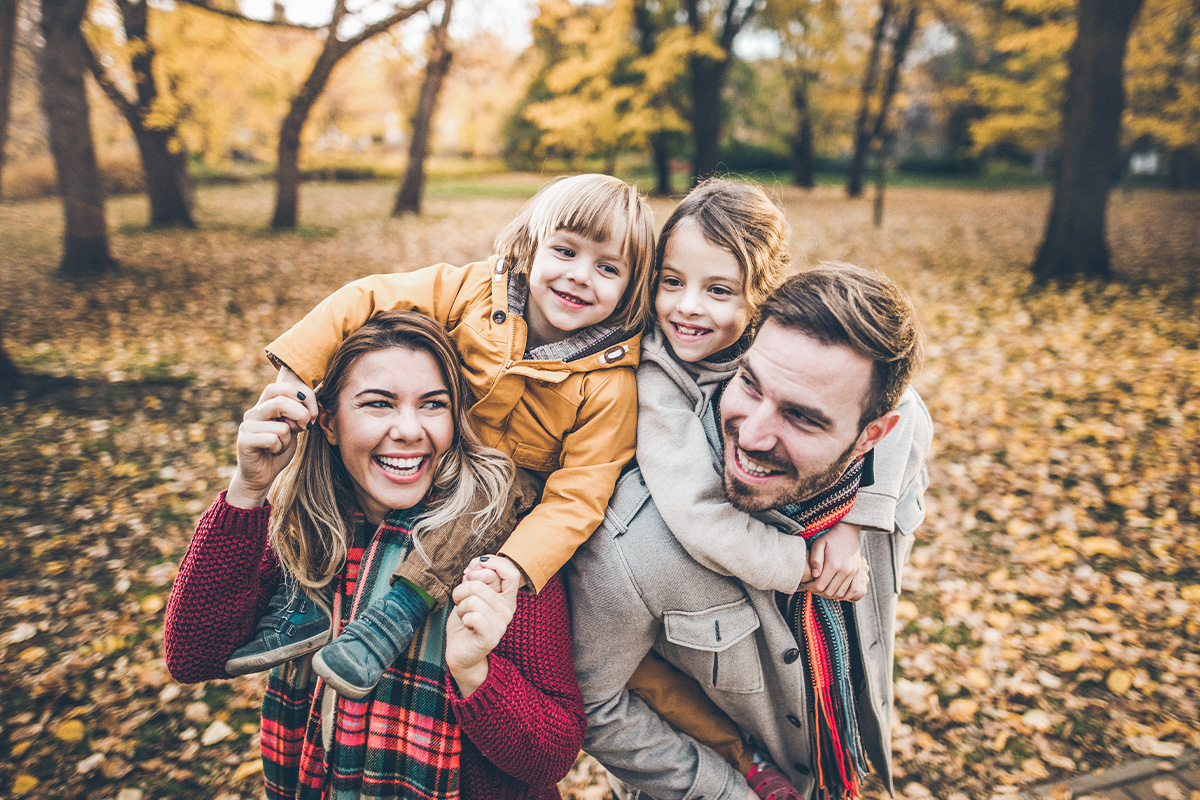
1052,599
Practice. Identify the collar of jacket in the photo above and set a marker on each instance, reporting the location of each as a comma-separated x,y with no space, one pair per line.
625,353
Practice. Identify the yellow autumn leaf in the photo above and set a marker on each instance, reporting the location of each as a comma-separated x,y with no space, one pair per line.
962,709
1069,661
24,783
1191,593
70,731
1100,545
1119,681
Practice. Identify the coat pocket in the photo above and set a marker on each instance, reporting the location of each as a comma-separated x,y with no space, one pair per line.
536,458
716,645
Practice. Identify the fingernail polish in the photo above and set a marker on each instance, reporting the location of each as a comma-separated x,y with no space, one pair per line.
484,558
301,395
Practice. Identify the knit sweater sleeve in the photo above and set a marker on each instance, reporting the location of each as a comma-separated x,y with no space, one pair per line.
527,717
224,584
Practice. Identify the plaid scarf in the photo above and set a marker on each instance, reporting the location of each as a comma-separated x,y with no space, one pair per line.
819,625
400,741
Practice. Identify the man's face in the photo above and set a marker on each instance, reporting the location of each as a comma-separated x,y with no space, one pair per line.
791,418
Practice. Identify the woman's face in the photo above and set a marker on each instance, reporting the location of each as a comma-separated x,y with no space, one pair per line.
392,425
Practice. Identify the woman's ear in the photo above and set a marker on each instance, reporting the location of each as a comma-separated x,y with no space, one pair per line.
325,420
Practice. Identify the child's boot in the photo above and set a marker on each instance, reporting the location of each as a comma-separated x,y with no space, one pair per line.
293,626
357,657
769,783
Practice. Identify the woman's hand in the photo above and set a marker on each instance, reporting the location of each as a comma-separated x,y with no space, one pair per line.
483,606
266,442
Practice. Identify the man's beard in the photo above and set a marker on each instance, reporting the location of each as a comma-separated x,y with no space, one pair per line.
802,487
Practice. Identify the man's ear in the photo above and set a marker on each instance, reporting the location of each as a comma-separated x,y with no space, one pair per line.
874,432
325,420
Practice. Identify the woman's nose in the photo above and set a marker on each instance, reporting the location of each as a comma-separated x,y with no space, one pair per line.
406,426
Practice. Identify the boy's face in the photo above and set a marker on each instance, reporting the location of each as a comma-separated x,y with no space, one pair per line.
700,302
574,282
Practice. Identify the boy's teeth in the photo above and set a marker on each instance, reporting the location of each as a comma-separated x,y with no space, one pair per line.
400,464
752,467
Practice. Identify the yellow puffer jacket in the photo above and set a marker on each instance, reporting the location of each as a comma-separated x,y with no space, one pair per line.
574,422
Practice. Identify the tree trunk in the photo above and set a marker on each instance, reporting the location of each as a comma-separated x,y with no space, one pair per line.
803,161
167,183
661,152
707,79
10,376
287,165
64,60
287,169
1075,241
862,131
412,188
8,40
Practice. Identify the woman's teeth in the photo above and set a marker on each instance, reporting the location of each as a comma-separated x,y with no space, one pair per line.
401,466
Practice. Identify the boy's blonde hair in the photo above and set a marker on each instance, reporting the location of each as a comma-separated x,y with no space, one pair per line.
738,217
595,206
314,501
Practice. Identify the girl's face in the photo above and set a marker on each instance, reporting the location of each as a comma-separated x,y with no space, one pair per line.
701,301
392,424
574,282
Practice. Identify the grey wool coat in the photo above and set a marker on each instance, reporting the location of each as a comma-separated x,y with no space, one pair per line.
634,587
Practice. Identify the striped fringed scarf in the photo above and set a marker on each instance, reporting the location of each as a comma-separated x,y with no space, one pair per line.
820,628
400,741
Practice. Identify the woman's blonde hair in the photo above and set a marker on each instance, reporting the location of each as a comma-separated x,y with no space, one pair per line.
740,218
312,524
595,206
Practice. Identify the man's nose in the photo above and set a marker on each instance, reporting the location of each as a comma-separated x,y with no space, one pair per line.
757,431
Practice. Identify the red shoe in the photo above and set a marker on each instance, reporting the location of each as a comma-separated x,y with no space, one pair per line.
769,783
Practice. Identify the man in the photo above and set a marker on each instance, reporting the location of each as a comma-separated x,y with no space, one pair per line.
823,382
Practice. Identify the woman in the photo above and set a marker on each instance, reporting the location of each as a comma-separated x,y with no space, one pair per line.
485,700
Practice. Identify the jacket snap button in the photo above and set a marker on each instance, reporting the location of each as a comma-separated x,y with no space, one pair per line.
790,656
793,719
801,768
499,317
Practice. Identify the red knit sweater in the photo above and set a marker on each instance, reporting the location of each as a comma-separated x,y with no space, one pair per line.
521,729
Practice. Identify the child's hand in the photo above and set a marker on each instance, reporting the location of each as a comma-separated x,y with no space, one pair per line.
265,443
294,385
496,571
483,606
839,571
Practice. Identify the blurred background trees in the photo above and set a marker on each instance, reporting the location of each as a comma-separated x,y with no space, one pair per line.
665,91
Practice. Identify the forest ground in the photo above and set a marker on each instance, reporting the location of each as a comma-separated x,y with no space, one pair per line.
1051,604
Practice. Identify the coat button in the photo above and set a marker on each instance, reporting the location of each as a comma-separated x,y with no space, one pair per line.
499,317
790,656
792,718
801,768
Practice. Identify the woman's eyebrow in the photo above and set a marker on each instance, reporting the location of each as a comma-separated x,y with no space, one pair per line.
392,395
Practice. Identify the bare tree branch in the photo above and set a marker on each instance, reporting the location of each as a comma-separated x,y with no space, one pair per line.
126,106
275,23
384,24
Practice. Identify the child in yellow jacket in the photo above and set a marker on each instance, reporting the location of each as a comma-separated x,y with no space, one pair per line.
549,331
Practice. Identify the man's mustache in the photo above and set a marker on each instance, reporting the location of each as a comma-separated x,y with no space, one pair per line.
766,458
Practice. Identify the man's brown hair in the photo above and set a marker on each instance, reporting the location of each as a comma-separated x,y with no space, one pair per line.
841,304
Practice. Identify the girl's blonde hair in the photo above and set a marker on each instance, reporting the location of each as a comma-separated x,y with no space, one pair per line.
740,218
312,524
595,206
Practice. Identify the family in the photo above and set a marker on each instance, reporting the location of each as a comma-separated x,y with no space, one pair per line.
646,496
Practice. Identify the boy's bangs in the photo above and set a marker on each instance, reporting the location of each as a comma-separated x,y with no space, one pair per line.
595,212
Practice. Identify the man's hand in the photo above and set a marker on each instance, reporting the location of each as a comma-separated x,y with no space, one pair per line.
839,571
